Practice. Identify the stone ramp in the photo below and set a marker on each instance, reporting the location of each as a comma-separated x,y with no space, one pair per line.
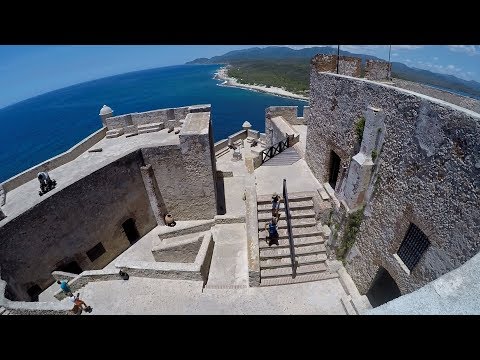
229,267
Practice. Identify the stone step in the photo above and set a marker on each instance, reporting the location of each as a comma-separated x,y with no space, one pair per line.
296,232
286,280
299,241
114,133
286,262
296,223
294,214
2,310
278,253
292,197
222,152
7,312
149,130
297,205
347,305
287,271
151,125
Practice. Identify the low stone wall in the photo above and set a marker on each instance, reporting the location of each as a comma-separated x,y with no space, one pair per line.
377,70
163,270
54,162
252,236
32,308
155,116
89,276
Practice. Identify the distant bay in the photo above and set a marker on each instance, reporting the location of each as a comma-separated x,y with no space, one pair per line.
39,128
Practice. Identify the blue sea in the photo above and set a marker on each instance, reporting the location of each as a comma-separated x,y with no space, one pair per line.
39,128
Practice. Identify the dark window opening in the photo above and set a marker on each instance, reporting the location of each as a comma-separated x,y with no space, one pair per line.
413,246
131,230
334,169
383,289
34,291
95,252
71,267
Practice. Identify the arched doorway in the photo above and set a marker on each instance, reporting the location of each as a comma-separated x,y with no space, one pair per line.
383,289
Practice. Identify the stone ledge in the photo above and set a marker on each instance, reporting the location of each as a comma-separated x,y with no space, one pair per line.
252,236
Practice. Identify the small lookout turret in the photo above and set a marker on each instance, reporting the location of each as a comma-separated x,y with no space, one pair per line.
246,125
105,113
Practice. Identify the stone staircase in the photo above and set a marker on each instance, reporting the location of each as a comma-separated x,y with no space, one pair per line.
309,241
4,311
152,127
286,157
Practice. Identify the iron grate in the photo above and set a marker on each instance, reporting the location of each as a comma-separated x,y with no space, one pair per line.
413,246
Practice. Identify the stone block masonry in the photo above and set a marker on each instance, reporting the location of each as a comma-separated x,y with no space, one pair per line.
424,173
377,70
64,226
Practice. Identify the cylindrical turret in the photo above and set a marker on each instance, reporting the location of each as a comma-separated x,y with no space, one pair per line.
105,113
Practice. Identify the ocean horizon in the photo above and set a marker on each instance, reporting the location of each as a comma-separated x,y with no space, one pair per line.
41,127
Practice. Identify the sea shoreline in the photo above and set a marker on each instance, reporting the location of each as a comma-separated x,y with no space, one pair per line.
221,74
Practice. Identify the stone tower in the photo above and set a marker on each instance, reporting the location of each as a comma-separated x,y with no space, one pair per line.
105,113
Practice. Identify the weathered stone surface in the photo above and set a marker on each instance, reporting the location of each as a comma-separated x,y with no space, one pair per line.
2,195
425,174
377,70
65,225
463,101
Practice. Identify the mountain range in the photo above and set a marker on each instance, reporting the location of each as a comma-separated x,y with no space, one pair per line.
399,70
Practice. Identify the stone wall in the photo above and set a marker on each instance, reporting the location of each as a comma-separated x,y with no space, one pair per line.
154,116
350,66
274,134
185,174
65,225
54,162
377,70
325,63
347,65
427,172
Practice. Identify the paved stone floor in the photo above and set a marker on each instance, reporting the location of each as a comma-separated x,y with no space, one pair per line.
175,297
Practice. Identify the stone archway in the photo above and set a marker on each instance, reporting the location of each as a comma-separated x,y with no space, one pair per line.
383,288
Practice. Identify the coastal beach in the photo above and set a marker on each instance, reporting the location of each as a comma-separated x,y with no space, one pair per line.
221,74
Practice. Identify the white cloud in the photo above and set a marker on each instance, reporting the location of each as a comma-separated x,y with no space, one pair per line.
394,54
468,49
407,47
435,58
368,49
408,60
448,69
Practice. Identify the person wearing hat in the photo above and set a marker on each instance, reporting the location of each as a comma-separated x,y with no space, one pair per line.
276,206
271,230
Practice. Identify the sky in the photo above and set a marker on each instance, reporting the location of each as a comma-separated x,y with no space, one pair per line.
31,70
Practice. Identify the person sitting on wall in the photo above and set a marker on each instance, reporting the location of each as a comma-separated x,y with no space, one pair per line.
272,233
65,288
46,184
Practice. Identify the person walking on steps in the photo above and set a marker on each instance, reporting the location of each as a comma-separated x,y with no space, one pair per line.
276,206
272,233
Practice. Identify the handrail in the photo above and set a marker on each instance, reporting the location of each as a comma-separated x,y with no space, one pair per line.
273,150
289,229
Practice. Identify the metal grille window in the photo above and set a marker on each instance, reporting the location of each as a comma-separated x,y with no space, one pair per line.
413,246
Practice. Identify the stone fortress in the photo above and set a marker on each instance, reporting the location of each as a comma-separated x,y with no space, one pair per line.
384,210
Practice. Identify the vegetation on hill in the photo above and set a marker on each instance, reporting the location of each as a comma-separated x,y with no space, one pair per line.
292,75
289,68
